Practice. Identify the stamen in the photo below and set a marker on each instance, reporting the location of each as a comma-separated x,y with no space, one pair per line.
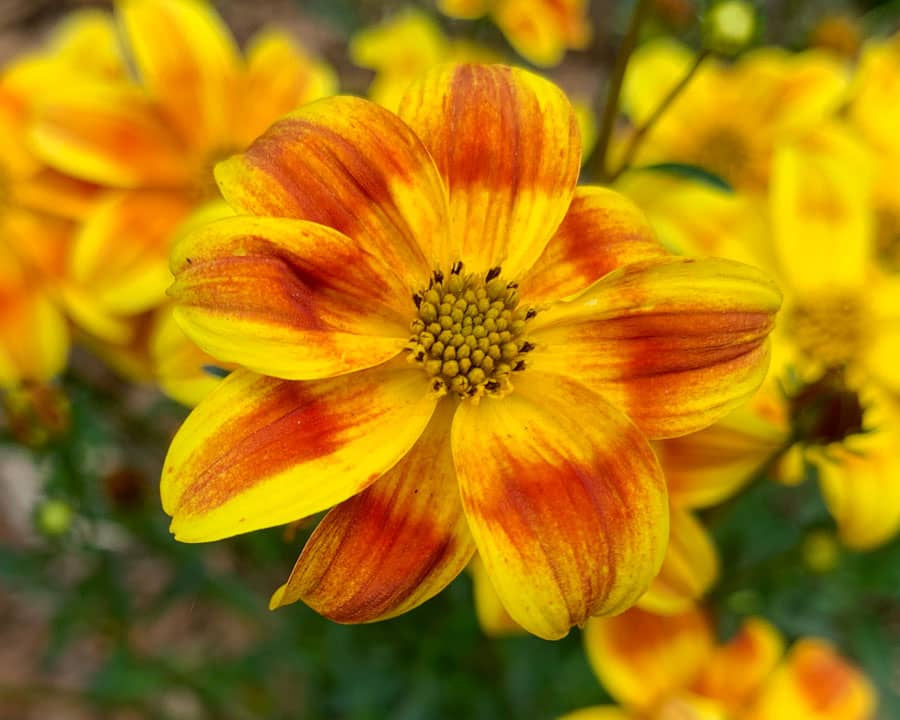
468,333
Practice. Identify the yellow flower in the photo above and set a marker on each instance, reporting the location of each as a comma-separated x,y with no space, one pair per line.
540,30
668,667
153,145
428,343
730,117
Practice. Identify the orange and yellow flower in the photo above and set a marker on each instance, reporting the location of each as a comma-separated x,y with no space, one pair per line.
730,117
153,143
428,343
540,30
665,667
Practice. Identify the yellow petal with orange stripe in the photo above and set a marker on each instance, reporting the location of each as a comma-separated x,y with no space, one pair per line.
351,165
565,500
393,546
287,298
259,452
675,345
507,144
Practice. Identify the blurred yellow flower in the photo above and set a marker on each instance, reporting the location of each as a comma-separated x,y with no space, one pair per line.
730,117
540,30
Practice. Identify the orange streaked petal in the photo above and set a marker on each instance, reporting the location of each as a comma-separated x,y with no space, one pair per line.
689,570
492,616
349,164
815,683
287,298
188,60
507,145
602,231
565,499
111,135
392,547
640,658
259,452
281,77
737,670
120,255
676,345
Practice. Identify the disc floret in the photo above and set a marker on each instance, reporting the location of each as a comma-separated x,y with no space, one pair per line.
469,332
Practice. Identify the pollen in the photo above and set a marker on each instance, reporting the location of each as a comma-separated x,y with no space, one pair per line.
469,332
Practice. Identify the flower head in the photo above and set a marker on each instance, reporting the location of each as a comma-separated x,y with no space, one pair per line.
449,341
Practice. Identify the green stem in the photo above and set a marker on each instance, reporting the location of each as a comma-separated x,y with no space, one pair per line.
611,109
640,133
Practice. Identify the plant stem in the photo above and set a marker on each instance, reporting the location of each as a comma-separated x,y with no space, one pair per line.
611,108
639,134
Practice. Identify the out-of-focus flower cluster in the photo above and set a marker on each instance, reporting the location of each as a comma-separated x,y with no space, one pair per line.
781,161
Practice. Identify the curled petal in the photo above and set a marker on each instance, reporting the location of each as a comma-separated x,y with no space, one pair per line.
565,499
188,60
259,452
641,658
737,670
815,682
689,570
393,546
602,231
675,344
287,298
349,164
507,145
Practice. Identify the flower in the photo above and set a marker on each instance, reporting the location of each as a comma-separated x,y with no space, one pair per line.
730,117
660,667
429,343
152,144
540,30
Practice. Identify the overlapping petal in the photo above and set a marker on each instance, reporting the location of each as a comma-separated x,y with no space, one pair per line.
353,166
189,62
287,298
34,337
676,344
565,500
259,451
393,546
602,231
506,143
641,658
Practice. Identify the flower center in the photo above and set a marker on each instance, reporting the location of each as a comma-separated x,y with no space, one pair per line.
828,331
469,333
827,411
887,238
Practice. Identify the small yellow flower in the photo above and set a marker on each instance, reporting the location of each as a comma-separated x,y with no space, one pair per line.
428,343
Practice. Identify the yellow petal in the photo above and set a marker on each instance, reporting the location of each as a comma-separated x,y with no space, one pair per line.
599,712
506,143
675,345
393,546
565,500
492,616
188,60
353,166
34,337
690,568
287,298
601,232
259,452
541,31
641,658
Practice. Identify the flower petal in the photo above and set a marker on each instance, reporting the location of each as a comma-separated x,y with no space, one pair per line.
34,337
602,231
287,298
393,546
737,670
565,499
349,164
507,144
111,135
260,452
676,345
641,658
188,60
599,712
689,570
492,616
